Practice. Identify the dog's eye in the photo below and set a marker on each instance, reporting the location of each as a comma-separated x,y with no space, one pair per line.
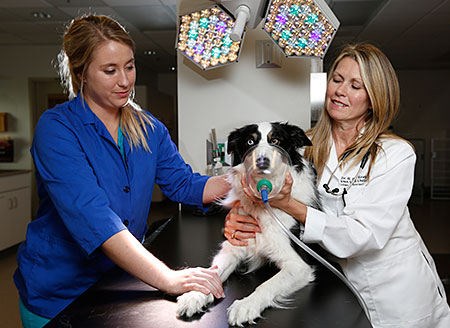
275,141
250,142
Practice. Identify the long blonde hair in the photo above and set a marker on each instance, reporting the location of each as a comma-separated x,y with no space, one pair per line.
82,37
383,89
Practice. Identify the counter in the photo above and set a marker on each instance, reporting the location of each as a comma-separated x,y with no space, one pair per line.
7,173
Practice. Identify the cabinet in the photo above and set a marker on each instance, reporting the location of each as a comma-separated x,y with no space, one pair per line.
15,207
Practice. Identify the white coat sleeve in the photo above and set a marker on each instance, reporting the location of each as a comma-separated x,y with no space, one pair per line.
369,219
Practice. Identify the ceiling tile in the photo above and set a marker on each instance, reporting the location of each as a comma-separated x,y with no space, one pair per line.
118,3
388,24
23,3
31,33
355,12
148,17
9,39
26,14
75,3
6,16
165,39
79,11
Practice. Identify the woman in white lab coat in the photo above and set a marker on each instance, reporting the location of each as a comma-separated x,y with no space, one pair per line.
365,178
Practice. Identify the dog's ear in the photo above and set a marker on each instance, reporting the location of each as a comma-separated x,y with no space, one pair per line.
298,136
233,141
233,146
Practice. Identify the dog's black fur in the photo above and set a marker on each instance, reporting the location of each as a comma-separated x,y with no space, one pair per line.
284,135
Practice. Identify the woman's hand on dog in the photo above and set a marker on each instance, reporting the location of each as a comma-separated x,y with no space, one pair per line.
283,200
239,227
194,279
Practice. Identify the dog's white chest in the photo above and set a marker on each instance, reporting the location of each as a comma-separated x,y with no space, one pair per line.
272,239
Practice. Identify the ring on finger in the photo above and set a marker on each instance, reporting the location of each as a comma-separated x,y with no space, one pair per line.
233,235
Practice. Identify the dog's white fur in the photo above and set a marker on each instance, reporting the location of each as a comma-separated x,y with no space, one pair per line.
271,244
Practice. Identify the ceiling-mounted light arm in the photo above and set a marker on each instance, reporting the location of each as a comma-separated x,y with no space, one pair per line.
246,12
242,15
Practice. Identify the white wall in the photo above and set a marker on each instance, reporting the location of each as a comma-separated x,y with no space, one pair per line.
239,93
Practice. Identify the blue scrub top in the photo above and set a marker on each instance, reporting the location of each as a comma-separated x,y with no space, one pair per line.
88,192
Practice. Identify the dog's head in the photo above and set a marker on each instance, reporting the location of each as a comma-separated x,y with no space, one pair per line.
286,136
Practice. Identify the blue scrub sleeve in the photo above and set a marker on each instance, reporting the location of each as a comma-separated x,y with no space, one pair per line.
175,177
71,183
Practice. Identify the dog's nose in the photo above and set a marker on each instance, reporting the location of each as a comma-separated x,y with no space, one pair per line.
262,163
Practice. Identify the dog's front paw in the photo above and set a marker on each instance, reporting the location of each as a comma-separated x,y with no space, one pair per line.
243,311
193,302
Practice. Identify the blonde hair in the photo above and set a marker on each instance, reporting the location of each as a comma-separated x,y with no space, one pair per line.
383,90
82,37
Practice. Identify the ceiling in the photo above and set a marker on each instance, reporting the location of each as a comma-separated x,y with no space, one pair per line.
415,34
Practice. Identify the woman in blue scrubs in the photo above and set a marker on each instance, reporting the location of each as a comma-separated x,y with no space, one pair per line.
97,158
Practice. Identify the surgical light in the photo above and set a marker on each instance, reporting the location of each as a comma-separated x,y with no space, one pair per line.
301,28
204,38
213,37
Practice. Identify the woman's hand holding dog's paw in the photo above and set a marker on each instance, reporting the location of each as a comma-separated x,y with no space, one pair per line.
202,280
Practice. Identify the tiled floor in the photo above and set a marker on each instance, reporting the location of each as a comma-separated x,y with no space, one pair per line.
432,220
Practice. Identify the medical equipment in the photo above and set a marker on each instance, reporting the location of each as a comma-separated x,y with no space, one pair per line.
213,36
335,191
266,165
216,160
266,168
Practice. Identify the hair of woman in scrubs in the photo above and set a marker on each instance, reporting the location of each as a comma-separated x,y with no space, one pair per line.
82,37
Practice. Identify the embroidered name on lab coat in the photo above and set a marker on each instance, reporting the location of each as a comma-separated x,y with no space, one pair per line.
347,180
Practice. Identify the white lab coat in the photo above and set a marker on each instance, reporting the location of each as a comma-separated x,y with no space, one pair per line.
379,249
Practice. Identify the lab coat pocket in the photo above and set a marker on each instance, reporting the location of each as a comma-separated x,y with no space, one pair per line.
403,287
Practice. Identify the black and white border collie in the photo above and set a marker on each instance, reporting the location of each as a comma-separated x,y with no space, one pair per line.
272,244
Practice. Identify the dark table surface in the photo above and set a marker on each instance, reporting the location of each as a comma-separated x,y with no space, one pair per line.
120,300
